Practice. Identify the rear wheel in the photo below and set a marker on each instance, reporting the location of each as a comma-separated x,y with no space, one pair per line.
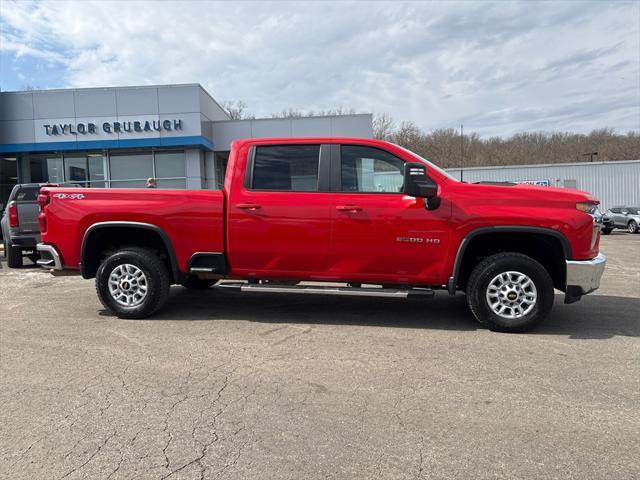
510,292
632,227
13,256
195,283
133,283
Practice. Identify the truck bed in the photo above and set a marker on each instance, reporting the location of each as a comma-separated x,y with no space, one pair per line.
191,219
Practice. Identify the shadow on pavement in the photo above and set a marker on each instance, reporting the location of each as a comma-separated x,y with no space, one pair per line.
594,317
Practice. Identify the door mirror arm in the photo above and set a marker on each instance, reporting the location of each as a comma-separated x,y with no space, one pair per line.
431,203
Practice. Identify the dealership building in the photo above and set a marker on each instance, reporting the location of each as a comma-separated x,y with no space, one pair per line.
119,137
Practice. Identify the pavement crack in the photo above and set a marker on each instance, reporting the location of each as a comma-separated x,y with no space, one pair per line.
91,457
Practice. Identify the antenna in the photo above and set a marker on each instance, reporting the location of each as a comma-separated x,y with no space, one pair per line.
461,150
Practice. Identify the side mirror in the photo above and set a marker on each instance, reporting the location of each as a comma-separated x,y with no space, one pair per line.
418,184
625,212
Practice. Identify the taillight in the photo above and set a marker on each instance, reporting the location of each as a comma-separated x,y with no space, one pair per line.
588,206
13,214
43,200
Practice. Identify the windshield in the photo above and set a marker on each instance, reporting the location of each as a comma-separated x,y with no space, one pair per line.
435,167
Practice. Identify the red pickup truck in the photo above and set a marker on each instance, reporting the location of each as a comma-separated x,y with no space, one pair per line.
334,216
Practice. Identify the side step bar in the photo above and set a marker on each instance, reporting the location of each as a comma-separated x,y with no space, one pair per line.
321,290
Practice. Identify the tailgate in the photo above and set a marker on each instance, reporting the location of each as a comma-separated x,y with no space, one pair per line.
27,205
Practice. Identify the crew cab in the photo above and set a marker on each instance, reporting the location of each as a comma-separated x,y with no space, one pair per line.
332,216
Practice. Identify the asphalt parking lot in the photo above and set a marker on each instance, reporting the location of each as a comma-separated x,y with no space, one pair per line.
223,385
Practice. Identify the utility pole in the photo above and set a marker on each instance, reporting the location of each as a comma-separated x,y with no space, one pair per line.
461,150
590,155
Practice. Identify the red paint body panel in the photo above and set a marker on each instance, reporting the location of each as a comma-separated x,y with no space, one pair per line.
193,220
311,235
392,237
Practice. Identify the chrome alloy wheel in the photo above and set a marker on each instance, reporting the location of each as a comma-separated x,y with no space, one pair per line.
128,285
511,295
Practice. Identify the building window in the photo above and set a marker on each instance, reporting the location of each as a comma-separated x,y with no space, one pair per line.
132,169
126,169
84,169
8,178
170,169
46,168
221,159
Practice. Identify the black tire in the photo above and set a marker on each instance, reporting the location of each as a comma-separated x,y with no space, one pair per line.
632,226
13,256
157,277
195,283
606,231
488,269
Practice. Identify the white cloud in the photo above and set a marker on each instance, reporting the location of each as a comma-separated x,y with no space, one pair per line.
496,67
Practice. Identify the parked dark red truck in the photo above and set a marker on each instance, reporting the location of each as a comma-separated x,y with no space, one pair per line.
360,212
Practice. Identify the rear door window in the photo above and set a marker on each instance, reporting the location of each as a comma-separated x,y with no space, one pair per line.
286,168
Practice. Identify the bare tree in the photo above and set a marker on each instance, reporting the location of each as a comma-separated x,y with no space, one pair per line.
291,113
383,126
443,145
296,113
237,110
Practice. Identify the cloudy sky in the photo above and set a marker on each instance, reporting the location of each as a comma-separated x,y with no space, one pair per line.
498,67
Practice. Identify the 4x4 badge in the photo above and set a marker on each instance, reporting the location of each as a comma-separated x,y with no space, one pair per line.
69,196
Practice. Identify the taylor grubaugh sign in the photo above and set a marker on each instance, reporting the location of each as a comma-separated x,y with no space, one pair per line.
112,127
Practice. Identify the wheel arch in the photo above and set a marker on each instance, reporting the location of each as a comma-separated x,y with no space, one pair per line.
112,234
468,248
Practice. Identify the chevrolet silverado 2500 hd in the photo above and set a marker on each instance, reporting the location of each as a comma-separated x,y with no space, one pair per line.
324,211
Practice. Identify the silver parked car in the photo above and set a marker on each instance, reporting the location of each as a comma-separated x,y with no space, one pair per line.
20,225
627,218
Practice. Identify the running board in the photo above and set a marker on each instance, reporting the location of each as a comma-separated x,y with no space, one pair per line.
320,290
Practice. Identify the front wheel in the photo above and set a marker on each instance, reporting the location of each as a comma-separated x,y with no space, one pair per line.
606,231
510,292
632,227
133,283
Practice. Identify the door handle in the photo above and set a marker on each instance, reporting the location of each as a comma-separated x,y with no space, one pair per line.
248,206
348,208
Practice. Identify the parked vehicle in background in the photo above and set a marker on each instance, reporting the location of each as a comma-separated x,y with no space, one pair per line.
607,223
626,218
20,227
345,210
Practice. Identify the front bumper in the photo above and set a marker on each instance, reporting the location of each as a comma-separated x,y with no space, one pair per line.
583,276
49,257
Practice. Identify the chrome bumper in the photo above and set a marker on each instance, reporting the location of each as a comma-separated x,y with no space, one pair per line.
583,276
50,258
